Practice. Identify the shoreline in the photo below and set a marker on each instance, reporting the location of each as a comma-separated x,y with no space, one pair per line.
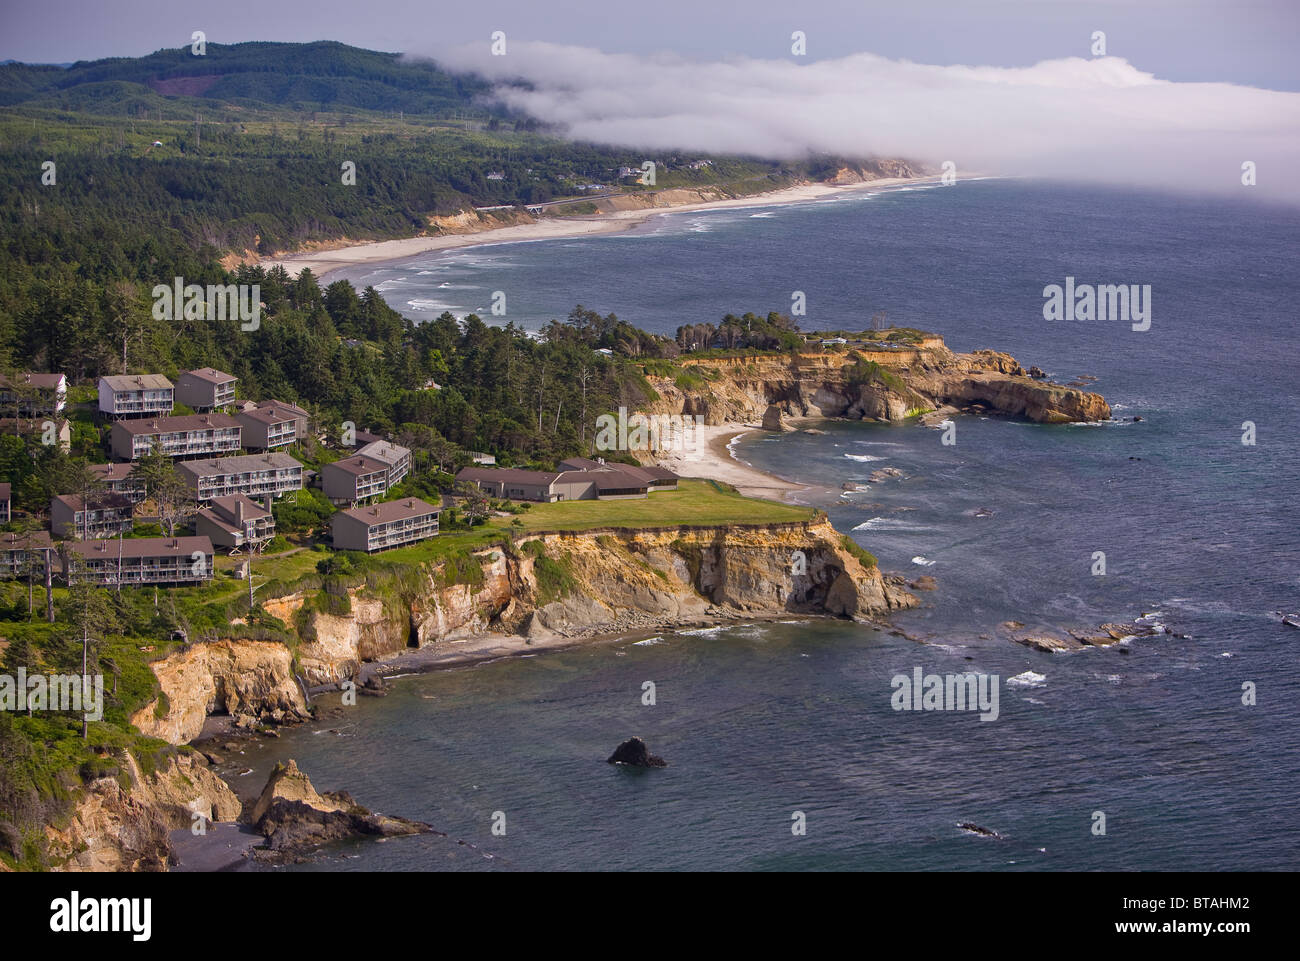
325,261
711,457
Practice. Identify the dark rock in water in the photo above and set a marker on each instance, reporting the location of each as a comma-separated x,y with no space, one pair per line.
1136,419
294,818
634,753
981,831
1037,373
375,686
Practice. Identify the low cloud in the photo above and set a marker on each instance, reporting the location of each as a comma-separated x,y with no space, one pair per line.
1101,119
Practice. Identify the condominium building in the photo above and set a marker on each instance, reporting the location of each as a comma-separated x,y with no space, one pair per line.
136,395
254,475
191,435
382,526
33,395
139,561
235,522
397,457
353,479
119,479
205,388
23,554
266,428
105,514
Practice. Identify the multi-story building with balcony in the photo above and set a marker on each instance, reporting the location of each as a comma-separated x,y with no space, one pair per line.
190,435
253,475
383,526
139,561
205,388
136,395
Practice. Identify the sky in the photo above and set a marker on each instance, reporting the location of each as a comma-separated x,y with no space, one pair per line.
1237,41
1185,94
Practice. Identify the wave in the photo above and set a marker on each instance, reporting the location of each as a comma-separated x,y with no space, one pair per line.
922,561
862,458
892,524
1028,679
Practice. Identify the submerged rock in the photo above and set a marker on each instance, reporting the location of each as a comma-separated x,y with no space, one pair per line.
634,753
980,830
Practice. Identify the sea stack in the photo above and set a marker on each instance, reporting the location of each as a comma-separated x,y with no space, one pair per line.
634,753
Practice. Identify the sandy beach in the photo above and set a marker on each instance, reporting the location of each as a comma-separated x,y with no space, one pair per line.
321,262
710,458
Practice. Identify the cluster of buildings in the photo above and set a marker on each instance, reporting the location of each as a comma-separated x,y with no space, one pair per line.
231,456
579,478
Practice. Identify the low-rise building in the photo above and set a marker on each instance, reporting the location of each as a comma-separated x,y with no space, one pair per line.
382,526
104,514
6,503
190,435
205,388
286,409
578,479
254,475
397,457
266,428
136,395
354,479
23,554
138,561
235,521
33,395
119,479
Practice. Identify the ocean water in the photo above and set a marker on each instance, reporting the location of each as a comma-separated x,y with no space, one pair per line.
761,721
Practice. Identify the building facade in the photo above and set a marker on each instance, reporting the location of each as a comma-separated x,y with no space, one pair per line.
205,388
139,561
136,395
191,435
253,475
384,526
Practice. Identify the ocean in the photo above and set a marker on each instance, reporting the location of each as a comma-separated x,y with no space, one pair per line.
762,724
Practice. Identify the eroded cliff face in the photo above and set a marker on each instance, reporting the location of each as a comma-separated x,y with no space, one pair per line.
242,678
883,384
619,580
116,828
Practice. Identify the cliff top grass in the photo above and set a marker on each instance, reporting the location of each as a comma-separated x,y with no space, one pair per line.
696,503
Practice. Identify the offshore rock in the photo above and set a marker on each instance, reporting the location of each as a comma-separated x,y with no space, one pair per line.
634,753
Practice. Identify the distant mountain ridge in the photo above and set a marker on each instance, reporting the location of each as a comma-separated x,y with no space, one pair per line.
324,75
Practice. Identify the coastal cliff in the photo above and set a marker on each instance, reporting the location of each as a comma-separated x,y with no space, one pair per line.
545,587
121,821
886,384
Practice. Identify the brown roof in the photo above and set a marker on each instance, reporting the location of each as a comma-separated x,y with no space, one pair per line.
211,375
141,547
112,472
39,381
32,540
269,415
137,382
176,424
5,492
496,474
98,500
359,465
238,464
397,510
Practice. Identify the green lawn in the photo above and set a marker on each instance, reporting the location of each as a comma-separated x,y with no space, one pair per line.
696,503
